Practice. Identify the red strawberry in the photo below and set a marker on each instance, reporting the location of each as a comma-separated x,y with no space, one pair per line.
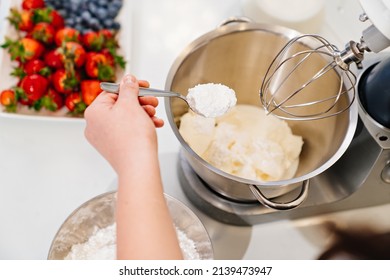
53,59
73,53
64,81
90,89
34,66
113,58
8,100
98,66
43,32
32,4
50,16
34,86
24,49
52,101
21,20
110,58
93,41
56,20
109,38
67,34
74,103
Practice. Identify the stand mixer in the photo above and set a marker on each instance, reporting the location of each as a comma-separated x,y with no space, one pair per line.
361,177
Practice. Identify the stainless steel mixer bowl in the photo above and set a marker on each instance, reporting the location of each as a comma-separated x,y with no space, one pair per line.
99,212
237,54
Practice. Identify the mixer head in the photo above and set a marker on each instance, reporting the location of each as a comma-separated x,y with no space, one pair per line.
308,80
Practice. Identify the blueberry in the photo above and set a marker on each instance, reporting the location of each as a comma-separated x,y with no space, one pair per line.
108,23
116,25
66,5
86,16
117,4
101,13
112,11
70,21
92,7
79,27
73,9
87,30
62,12
102,3
94,24
77,20
75,2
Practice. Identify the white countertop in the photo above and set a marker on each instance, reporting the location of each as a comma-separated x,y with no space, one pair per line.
48,169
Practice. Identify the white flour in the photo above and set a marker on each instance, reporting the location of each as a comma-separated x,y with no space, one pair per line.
211,100
102,246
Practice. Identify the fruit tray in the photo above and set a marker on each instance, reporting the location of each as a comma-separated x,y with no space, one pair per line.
7,66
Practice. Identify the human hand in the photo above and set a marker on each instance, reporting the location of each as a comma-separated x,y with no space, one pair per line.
122,126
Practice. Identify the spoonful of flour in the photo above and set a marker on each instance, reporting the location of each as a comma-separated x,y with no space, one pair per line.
211,100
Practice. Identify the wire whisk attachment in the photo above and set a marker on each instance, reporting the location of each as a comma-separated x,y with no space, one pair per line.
309,79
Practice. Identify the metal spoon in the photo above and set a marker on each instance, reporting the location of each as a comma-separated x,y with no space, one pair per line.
114,88
218,107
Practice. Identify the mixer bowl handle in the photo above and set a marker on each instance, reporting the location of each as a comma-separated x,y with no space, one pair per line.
279,205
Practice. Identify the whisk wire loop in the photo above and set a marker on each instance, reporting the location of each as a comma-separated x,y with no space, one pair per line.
305,81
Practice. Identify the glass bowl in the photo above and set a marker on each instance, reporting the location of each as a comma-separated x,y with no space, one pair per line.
99,213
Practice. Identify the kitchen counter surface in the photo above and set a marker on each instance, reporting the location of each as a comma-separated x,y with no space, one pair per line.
48,169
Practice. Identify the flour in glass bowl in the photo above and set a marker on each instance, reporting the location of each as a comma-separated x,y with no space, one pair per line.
211,100
102,246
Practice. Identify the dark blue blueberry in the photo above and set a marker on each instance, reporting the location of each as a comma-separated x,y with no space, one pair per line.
102,3
66,5
69,21
73,9
94,24
116,25
101,13
92,7
75,2
112,11
79,27
86,16
87,30
108,23
77,20
62,12
117,4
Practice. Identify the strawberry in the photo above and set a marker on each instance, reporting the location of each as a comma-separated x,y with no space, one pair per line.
43,32
52,101
114,58
90,89
53,59
34,86
98,66
109,38
36,66
67,34
110,58
72,53
56,20
21,20
50,16
65,81
74,103
32,4
24,49
8,100
93,41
